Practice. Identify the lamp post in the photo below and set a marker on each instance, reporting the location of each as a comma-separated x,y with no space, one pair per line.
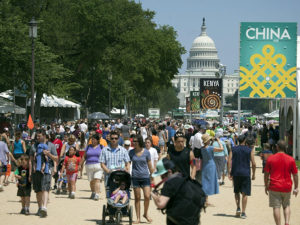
33,35
239,105
222,73
109,100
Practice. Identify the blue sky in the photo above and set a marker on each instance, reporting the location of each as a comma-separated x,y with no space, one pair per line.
222,20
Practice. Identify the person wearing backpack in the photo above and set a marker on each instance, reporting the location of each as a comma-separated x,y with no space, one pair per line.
181,197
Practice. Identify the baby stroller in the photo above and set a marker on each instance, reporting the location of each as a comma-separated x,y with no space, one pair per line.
117,210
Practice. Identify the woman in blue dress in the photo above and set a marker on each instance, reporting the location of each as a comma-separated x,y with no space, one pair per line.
209,171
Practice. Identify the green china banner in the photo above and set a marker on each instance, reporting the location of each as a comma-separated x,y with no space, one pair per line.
268,60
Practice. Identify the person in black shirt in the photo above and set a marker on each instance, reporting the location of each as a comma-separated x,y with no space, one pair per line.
182,157
182,205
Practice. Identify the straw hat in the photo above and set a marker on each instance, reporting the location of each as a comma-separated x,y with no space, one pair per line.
206,138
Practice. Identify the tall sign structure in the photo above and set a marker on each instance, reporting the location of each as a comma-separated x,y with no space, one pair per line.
211,93
268,60
195,101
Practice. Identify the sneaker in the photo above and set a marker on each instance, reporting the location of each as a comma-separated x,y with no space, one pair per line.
243,215
43,212
26,212
58,191
93,195
96,198
1,188
23,211
38,213
72,195
238,212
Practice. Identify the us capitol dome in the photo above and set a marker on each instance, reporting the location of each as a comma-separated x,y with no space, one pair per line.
203,62
203,56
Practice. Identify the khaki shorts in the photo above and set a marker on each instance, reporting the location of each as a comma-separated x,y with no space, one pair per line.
94,171
278,199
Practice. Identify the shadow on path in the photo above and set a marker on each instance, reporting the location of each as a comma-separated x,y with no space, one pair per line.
225,215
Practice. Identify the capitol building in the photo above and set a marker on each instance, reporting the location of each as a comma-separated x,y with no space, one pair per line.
203,62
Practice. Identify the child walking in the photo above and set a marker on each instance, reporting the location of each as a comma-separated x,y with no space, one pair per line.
71,164
24,183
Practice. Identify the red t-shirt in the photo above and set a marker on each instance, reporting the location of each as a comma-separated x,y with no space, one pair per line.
58,145
71,164
281,166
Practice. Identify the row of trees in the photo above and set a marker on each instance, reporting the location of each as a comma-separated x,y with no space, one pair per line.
81,44
258,106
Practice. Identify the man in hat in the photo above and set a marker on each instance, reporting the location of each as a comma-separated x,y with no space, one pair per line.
182,156
175,197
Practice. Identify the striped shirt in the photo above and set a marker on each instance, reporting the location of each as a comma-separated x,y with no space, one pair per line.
114,159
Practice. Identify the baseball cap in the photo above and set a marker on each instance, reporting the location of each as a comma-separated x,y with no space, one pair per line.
99,131
127,142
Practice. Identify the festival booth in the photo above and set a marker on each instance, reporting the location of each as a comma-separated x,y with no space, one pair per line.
7,109
54,108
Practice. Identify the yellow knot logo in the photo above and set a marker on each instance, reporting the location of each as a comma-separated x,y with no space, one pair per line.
268,78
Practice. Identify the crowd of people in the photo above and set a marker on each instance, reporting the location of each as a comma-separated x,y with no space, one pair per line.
205,153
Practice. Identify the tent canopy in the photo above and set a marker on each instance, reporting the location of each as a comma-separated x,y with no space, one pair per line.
9,107
274,114
56,102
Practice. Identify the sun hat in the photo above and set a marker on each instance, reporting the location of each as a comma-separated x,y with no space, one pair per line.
225,133
160,169
218,134
127,142
205,138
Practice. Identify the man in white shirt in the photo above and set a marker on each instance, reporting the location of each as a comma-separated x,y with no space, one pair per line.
198,137
83,127
198,144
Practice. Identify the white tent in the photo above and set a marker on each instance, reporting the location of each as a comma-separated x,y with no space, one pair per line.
116,111
9,107
274,114
54,101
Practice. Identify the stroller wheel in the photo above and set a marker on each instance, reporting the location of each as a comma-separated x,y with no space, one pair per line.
103,215
130,215
118,222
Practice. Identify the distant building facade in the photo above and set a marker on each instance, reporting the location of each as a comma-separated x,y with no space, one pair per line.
203,62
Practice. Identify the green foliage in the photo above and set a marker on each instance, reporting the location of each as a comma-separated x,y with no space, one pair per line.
258,106
81,42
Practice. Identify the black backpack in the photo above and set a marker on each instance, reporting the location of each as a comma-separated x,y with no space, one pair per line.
185,207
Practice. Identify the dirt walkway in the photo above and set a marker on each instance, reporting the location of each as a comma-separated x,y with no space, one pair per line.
82,210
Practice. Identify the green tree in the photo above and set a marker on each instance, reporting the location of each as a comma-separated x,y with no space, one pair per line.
258,106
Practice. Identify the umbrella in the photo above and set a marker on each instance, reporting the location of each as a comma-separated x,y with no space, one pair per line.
200,122
98,116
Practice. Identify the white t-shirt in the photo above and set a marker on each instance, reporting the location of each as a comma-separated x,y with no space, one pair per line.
192,142
198,140
154,156
144,133
83,127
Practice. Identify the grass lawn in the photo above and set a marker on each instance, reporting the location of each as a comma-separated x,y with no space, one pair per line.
298,163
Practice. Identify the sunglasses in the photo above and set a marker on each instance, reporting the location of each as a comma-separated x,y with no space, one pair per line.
114,138
134,141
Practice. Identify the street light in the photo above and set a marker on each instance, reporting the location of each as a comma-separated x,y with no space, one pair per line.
32,35
109,100
221,74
